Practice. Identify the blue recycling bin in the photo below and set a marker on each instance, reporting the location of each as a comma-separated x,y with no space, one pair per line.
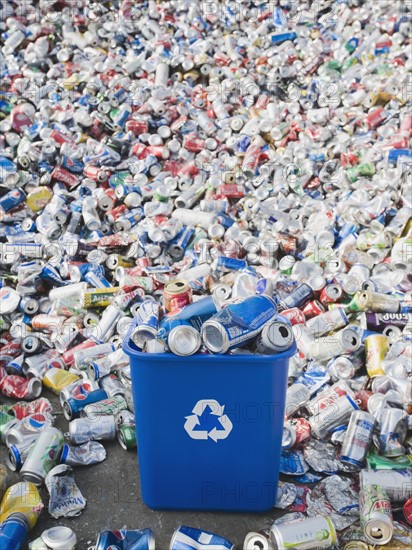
209,428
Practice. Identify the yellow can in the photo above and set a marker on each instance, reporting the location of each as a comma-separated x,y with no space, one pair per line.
38,198
376,347
57,379
23,497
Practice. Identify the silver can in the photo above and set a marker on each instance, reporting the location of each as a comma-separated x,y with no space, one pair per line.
43,456
257,541
27,429
99,428
55,538
358,437
375,514
312,533
184,340
396,483
276,336
329,418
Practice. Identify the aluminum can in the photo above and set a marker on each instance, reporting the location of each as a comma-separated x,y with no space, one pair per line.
333,416
14,532
81,386
358,438
43,456
331,294
22,497
295,431
17,454
112,385
312,533
6,422
222,332
327,322
100,428
189,538
407,511
257,541
375,514
295,316
298,297
57,379
143,539
396,483
74,405
176,295
276,336
297,395
183,339
393,430
376,348
27,429
377,302
329,396
55,538
112,405
147,323
126,435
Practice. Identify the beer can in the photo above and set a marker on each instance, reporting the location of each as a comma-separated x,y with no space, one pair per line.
147,323
101,428
257,541
143,539
189,538
184,339
295,431
358,438
312,533
112,405
43,456
376,348
14,532
126,435
396,483
337,414
375,514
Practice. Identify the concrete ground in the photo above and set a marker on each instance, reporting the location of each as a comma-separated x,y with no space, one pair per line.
112,490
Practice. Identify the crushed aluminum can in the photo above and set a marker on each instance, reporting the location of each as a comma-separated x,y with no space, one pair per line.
66,499
86,454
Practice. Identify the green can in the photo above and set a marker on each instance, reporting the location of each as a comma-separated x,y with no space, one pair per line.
109,406
5,418
126,436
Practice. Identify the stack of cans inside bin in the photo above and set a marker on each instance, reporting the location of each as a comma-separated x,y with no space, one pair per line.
209,177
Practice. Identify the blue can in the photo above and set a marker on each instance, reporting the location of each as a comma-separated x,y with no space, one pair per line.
72,165
14,532
196,314
12,199
179,245
237,324
189,538
298,297
395,154
224,264
95,277
282,37
147,323
126,540
74,405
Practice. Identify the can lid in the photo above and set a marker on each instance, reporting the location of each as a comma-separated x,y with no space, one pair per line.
256,541
59,538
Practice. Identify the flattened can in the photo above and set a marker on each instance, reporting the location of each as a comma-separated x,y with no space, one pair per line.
43,456
306,534
396,483
189,538
375,514
358,438
100,428
112,405
123,539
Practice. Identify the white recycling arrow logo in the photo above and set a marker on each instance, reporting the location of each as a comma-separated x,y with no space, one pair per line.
208,421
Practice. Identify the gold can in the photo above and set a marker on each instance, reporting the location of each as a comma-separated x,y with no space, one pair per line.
376,347
176,294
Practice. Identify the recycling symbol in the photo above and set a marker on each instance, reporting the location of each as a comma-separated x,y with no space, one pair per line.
208,420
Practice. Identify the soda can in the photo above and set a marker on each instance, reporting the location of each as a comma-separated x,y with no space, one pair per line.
88,355
57,379
6,422
358,438
22,409
393,430
396,483
183,339
43,456
257,541
27,429
55,538
176,294
331,294
143,539
147,323
102,332
112,385
189,538
297,298
307,533
295,431
73,406
276,336
375,514
109,406
101,428
332,416
126,435
377,302
407,511
376,348
294,315
222,332
327,322
22,497
14,532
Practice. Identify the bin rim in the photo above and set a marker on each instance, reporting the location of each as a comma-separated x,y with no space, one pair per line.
133,351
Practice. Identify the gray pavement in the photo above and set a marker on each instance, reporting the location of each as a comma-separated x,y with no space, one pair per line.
112,490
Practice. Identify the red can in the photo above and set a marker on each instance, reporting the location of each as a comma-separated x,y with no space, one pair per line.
18,387
68,356
61,138
137,127
313,309
60,174
231,191
8,352
295,316
295,431
95,173
22,409
193,144
407,511
362,398
176,295
331,294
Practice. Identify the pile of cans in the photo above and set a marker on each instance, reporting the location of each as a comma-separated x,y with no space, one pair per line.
210,177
